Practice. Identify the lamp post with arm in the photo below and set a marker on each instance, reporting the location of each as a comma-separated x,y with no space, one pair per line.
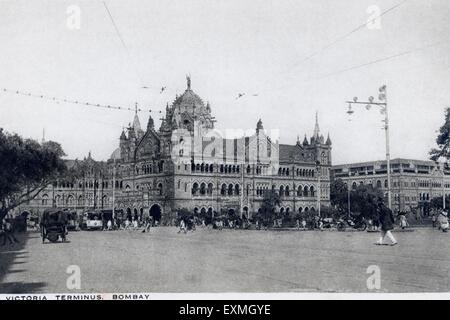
382,104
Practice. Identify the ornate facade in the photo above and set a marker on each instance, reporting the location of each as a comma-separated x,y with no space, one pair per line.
187,163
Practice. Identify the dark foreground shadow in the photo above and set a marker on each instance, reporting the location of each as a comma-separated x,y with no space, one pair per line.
10,255
22,287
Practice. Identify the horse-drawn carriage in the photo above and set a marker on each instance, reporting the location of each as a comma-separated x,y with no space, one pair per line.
54,225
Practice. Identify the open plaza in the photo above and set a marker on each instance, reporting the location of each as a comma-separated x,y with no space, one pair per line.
209,260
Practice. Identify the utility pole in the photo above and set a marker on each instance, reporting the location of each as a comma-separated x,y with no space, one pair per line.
114,186
318,185
242,177
383,105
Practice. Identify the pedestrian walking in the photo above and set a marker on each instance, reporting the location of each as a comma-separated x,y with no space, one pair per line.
109,225
403,221
433,220
182,226
386,220
148,224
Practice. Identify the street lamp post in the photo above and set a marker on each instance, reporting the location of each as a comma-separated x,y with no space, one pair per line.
382,104
442,167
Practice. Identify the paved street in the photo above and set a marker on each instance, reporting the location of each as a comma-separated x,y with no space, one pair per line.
227,261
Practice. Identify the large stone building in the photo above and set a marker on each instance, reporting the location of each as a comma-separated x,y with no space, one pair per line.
413,182
187,163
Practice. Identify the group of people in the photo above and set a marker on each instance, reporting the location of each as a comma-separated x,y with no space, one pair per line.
440,220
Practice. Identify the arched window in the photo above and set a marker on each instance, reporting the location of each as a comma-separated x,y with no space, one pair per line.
45,199
385,183
211,167
70,201
305,191
160,189
195,189
311,190
299,191
323,158
287,191
237,190
230,189
281,193
379,184
223,190
354,185
202,189
210,188
248,169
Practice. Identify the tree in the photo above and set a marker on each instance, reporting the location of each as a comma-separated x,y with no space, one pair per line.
26,168
271,200
442,140
363,199
436,202
339,195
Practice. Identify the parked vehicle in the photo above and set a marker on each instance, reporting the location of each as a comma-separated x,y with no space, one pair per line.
92,220
53,225
72,220
355,223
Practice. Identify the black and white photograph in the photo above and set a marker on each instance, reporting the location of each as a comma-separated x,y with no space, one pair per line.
224,149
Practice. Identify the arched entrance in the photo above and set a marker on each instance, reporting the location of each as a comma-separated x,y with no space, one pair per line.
155,212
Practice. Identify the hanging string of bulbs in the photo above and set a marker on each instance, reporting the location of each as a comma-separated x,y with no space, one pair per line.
75,102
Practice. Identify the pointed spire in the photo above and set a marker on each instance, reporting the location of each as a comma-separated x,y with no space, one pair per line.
123,136
150,123
328,140
316,128
136,122
305,141
43,135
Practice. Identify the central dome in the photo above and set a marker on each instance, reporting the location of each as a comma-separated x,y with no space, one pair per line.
189,99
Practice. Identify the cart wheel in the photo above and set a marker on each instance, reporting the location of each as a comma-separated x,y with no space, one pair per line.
362,227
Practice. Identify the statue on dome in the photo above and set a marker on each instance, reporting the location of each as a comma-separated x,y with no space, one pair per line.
188,79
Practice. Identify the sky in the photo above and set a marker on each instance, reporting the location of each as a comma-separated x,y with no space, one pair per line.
291,59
